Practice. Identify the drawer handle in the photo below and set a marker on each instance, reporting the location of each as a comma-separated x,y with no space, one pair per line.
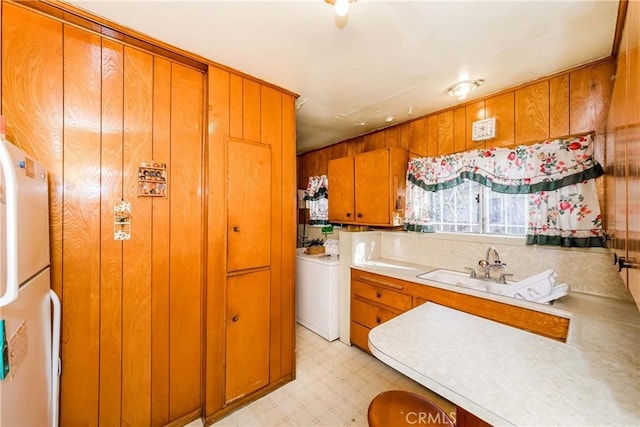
380,282
378,295
378,320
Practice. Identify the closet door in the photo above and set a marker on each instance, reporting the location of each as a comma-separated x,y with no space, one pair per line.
249,205
247,341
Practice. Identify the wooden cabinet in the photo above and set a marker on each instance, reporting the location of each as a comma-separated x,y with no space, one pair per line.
341,180
249,205
376,299
250,323
364,189
247,338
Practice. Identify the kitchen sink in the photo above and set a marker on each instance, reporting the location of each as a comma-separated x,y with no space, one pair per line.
458,278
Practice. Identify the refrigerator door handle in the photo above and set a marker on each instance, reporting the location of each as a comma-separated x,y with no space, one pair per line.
56,363
11,198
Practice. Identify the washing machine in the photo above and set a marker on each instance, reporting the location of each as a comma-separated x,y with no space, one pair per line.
317,299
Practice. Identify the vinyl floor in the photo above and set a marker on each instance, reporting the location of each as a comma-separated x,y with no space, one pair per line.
333,387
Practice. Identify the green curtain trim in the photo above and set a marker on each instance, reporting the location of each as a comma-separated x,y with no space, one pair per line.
585,175
566,242
322,193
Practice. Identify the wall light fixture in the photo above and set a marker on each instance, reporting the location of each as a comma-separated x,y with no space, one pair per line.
341,6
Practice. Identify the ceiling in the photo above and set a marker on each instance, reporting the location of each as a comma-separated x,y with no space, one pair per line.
387,61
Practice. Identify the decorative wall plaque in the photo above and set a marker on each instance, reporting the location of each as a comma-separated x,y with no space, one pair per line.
122,221
152,179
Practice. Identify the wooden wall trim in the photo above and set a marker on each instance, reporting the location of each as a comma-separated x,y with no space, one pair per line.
620,21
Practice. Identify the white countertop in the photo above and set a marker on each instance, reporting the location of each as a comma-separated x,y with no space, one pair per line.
508,376
409,272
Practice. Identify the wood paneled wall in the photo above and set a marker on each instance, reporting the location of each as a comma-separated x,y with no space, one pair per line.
92,109
623,153
573,102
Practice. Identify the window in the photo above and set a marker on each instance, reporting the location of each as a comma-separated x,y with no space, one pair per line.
473,208
544,191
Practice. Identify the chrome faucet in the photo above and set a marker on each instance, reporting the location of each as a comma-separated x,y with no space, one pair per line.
495,252
487,265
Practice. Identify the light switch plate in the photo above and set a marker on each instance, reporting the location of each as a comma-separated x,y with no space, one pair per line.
483,129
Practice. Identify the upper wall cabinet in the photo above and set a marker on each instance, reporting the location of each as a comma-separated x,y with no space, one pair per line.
364,189
342,190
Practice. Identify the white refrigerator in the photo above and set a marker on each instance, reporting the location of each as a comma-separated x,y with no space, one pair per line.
28,387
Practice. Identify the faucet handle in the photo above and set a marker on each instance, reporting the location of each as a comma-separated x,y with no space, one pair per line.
503,277
472,272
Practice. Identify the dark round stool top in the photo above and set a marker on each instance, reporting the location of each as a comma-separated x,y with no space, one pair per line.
402,408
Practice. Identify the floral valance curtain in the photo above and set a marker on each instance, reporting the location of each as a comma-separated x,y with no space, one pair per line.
317,196
558,176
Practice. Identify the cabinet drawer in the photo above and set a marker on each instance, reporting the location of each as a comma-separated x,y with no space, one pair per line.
381,295
360,336
370,315
378,280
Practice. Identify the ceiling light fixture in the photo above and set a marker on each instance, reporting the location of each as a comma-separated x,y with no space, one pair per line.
341,6
461,89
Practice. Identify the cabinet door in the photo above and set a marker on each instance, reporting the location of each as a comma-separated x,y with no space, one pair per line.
341,193
249,205
372,187
247,349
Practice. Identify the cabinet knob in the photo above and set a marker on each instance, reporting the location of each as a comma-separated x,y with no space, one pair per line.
378,295
236,229
235,318
359,215
348,215
378,320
